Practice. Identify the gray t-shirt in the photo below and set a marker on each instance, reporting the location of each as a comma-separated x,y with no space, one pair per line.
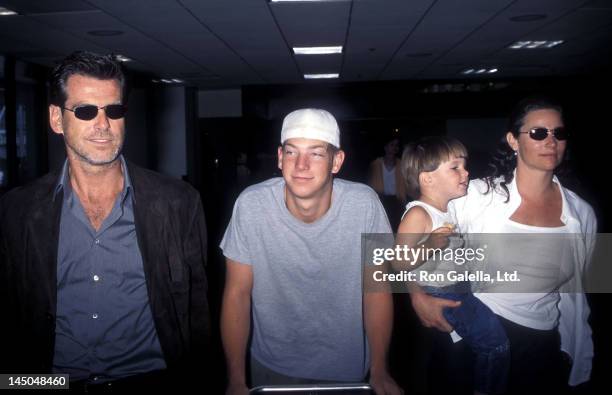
307,316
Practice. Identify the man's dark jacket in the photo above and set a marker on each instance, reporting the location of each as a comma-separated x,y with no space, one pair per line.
171,234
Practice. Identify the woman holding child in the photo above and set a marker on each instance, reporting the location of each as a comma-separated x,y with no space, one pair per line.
547,331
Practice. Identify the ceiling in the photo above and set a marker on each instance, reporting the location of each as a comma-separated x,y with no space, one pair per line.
229,43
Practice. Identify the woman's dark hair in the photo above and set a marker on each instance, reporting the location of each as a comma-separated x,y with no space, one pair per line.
504,160
88,64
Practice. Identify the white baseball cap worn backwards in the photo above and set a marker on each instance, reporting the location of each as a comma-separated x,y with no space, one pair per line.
311,123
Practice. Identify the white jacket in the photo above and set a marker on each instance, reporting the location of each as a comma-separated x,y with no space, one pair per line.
478,212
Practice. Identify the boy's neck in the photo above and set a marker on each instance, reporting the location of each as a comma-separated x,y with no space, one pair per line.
435,201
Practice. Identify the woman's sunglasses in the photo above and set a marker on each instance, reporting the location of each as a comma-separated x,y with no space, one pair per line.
87,112
540,134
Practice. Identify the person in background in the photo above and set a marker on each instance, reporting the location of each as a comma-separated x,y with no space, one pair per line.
385,177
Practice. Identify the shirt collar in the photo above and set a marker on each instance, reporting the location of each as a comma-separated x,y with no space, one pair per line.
63,182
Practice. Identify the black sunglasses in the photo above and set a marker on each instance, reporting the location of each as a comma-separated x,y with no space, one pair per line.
541,133
87,112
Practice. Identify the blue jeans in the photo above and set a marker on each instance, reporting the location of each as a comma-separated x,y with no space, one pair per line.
483,332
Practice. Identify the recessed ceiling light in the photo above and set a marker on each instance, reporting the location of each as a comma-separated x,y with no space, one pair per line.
168,80
528,17
535,44
6,12
317,50
551,44
321,76
122,58
105,33
480,71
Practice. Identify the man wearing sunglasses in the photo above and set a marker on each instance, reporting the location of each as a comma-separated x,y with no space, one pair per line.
102,263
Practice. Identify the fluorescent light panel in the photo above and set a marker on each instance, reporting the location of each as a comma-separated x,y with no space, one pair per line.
122,58
479,71
535,44
6,12
168,81
321,76
317,50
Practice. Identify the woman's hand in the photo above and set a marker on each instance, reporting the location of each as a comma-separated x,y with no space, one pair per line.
429,309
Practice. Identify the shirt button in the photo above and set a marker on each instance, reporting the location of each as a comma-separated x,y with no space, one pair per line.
96,278
94,316
97,241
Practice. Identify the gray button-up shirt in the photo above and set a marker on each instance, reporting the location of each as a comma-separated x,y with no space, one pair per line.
104,325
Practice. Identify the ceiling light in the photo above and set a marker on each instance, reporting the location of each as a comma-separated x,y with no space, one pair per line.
6,12
168,81
122,58
321,76
535,44
553,43
480,71
317,50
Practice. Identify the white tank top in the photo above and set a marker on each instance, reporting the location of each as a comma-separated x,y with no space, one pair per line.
388,180
533,310
434,273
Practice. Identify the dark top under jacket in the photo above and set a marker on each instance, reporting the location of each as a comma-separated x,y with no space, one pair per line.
171,236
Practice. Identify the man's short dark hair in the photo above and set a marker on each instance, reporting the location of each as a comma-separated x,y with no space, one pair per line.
332,149
88,64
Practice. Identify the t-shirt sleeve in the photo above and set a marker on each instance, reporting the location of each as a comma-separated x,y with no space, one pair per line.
235,243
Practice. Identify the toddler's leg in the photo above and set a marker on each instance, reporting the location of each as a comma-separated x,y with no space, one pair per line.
481,329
